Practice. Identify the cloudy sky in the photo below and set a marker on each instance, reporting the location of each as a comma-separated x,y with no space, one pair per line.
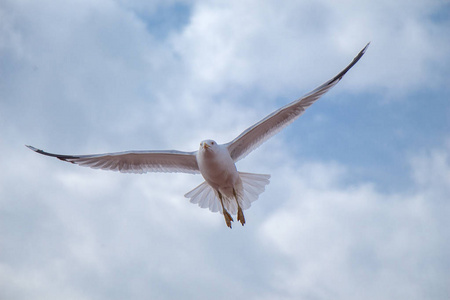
359,201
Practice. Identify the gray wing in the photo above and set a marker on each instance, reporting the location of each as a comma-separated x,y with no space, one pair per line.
134,161
257,134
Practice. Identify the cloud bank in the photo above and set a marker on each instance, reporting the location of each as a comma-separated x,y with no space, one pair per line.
358,201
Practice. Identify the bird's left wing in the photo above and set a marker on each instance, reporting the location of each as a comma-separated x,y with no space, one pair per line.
134,161
257,134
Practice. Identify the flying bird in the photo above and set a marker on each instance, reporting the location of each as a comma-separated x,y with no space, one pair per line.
225,189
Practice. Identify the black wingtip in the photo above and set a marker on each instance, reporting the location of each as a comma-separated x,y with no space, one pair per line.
58,156
31,147
341,74
35,149
360,54
40,151
365,48
355,60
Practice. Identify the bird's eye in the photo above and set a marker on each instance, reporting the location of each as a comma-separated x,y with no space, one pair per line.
212,143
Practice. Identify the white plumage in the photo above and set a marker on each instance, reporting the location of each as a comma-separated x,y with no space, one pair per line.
225,189
206,197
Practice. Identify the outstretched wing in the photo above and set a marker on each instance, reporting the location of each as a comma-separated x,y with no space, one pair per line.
134,161
257,134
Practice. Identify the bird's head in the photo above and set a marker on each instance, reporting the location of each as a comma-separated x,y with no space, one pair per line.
208,145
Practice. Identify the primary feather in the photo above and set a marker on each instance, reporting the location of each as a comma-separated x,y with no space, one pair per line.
260,132
134,161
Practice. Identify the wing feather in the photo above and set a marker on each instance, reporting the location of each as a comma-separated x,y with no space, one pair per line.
257,134
134,161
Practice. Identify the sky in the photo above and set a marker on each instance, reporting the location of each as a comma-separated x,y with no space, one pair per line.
359,201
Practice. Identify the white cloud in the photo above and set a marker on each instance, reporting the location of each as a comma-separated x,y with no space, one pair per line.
92,76
351,241
316,232
275,46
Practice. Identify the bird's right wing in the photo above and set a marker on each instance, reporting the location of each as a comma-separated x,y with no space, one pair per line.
134,161
257,134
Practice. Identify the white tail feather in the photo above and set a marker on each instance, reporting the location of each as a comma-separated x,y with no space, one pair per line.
252,185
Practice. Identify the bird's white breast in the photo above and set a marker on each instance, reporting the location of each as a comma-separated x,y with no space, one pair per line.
217,167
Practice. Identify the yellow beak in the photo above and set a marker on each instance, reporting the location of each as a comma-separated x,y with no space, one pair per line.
206,146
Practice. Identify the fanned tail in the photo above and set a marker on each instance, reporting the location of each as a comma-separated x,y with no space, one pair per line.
205,196
252,185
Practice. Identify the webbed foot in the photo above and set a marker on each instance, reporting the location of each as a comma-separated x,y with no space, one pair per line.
228,218
240,216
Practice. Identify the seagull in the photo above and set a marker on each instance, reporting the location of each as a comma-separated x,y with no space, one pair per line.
225,189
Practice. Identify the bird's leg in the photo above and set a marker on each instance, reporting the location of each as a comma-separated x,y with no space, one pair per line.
226,215
240,214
